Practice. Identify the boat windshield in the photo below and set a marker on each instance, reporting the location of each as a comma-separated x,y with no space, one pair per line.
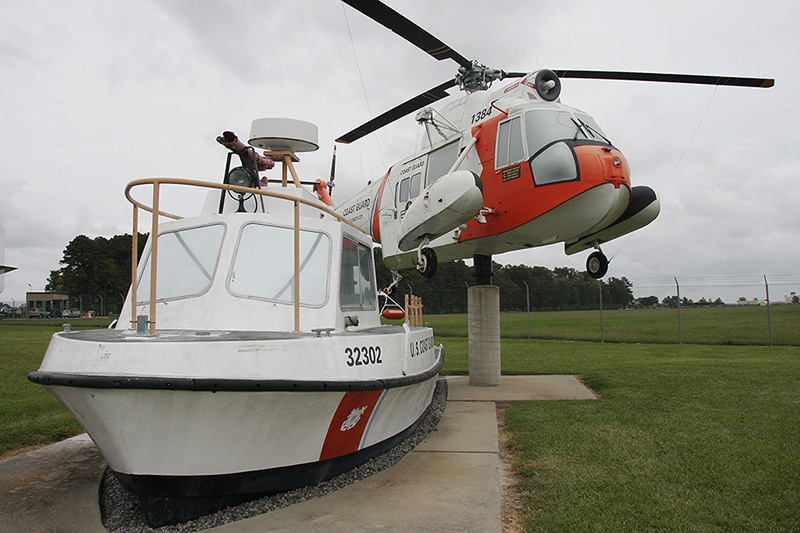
264,265
187,261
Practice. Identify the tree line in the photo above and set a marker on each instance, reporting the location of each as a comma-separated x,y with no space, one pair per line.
96,271
100,268
560,288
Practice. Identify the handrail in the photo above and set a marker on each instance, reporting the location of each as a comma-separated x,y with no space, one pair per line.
156,212
226,187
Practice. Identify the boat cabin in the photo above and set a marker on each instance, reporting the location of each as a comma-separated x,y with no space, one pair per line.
236,271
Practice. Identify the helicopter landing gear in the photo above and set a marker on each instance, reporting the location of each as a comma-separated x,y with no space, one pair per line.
391,290
426,260
597,264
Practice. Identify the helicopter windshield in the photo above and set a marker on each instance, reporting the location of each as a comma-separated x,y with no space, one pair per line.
591,127
543,126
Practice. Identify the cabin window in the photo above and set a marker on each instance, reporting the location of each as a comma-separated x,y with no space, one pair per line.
510,149
264,265
405,190
441,161
357,287
408,189
187,261
416,182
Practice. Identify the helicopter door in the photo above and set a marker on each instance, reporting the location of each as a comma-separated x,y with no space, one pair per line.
441,161
407,190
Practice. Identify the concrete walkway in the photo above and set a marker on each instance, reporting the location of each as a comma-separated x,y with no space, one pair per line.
453,479
54,488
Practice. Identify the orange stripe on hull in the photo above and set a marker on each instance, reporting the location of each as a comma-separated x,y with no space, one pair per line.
349,423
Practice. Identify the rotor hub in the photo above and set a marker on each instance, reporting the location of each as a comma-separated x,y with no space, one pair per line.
477,77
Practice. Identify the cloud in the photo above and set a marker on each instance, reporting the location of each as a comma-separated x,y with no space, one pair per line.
96,94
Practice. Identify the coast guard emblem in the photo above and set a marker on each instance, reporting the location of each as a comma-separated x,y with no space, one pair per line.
353,418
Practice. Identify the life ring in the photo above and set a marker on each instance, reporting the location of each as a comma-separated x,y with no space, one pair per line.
393,314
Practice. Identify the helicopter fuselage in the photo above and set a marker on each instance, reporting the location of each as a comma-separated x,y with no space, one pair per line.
546,171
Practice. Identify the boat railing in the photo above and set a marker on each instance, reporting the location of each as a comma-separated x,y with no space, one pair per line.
155,209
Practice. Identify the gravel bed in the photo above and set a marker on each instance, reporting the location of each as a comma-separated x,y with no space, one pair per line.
121,512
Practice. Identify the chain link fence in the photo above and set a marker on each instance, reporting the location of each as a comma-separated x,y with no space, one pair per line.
753,310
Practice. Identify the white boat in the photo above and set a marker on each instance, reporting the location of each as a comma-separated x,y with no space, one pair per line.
225,379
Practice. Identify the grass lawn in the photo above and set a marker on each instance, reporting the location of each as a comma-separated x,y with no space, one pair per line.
29,415
713,325
684,438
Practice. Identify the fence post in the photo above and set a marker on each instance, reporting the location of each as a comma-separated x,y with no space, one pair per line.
602,328
769,314
528,305
680,324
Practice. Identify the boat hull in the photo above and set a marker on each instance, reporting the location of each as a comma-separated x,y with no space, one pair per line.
176,499
187,443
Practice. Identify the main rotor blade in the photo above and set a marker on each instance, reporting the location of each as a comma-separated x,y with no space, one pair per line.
385,15
418,102
666,78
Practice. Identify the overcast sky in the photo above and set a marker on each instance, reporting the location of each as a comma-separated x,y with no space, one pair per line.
98,93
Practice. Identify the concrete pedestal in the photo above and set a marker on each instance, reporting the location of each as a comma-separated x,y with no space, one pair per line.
483,303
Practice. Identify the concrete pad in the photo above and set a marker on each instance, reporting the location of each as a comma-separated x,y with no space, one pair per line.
465,427
519,388
425,491
53,488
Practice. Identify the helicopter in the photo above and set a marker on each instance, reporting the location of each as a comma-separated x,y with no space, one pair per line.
501,170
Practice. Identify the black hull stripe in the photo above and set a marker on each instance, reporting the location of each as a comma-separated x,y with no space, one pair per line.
64,379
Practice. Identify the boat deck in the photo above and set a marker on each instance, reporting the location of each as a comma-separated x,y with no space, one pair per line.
175,335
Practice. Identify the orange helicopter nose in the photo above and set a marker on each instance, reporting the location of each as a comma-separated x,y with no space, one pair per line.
603,164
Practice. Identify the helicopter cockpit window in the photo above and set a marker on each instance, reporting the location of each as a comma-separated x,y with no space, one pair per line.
441,161
509,143
554,164
543,127
591,127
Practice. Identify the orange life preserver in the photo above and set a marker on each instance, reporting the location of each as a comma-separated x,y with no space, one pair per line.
393,314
